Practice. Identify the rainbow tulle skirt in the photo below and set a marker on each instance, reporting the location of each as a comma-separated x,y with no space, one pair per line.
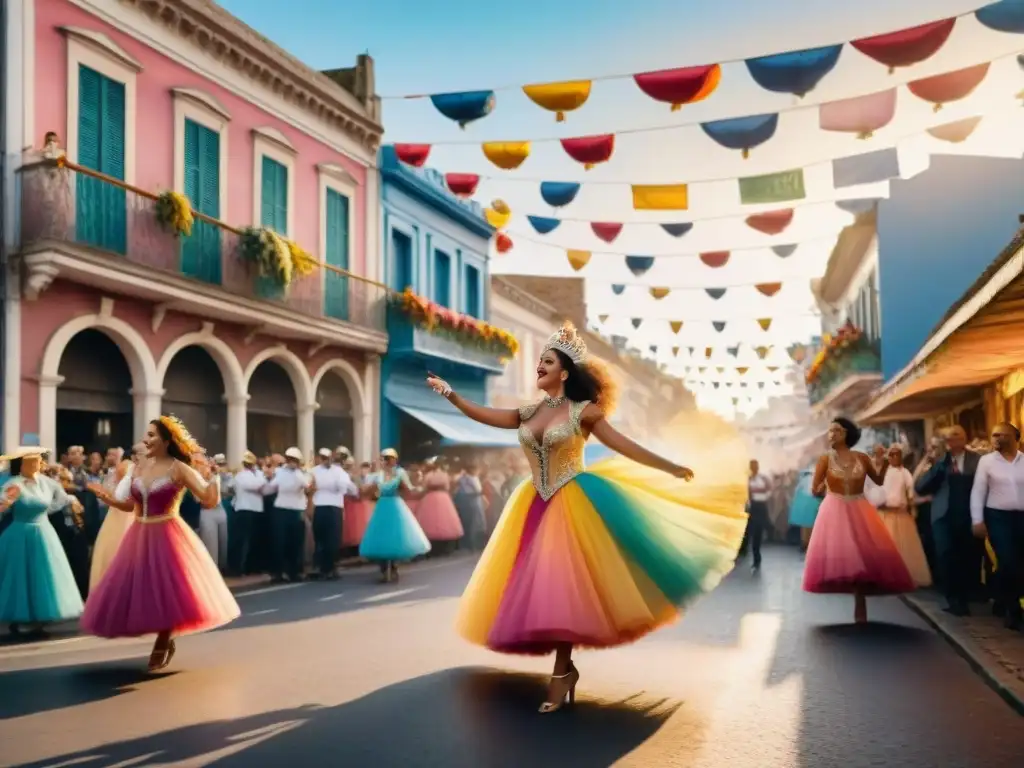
613,555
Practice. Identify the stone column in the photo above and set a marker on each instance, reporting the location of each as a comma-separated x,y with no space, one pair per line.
145,408
368,437
238,428
47,427
305,414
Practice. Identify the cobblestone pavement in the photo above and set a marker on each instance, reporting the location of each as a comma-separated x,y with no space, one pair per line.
994,651
356,673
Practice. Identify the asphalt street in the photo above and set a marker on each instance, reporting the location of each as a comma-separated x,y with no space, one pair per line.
357,673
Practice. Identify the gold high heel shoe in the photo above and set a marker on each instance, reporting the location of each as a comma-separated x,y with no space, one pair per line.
568,694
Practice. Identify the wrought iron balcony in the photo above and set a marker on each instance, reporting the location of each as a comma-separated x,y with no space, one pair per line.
847,377
83,226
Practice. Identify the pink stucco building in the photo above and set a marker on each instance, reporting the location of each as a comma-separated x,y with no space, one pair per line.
110,319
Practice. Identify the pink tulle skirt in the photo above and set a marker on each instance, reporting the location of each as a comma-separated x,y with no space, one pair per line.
438,517
161,579
354,522
851,551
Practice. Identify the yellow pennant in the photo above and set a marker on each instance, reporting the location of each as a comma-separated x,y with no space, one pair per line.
660,293
578,259
765,323
660,197
675,325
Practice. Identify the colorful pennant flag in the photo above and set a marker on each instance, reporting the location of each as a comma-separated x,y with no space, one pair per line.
578,259
660,197
773,187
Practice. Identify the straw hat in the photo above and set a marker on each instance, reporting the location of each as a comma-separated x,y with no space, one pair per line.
389,453
293,453
24,451
249,458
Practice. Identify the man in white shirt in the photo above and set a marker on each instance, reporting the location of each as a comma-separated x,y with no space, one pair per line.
248,484
997,512
759,489
290,483
330,485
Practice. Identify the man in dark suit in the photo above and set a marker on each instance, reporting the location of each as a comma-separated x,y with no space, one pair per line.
949,482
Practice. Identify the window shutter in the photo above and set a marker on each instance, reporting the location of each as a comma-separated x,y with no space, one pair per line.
336,253
201,252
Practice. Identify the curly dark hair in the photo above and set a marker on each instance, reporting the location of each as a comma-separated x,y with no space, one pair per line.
852,430
174,450
589,381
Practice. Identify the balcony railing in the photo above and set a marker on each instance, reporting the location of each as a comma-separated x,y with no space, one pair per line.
65,204
841,367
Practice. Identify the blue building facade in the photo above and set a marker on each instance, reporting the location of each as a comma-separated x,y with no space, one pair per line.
937,233
437,245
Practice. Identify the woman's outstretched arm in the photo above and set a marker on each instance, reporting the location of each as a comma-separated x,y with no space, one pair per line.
502,418
595,422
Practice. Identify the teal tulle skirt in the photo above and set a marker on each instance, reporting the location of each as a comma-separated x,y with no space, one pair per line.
393,532
36,582
803,511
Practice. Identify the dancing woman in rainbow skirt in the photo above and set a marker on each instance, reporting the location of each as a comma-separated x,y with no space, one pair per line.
593,558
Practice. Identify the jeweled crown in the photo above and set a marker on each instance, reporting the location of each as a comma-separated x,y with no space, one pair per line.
567,341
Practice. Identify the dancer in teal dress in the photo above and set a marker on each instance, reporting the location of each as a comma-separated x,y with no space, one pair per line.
37,585
393,533
803,510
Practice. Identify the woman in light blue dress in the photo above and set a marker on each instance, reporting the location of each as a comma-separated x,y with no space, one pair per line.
393,533
37,586
803,510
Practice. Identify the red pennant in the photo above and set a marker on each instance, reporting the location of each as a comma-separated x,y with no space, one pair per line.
606,230
908,46
590,150
413,154
769,289
462,184
771,222
715,259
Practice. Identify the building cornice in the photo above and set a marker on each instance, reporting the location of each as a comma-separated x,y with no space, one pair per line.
852,247
523,299
210,28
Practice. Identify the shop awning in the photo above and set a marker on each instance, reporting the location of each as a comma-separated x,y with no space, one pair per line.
978,342
457,429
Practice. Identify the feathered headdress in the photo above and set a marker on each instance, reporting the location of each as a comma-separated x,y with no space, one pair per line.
180,435
567,341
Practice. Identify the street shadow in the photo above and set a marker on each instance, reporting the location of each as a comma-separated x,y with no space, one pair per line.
458,717
43,690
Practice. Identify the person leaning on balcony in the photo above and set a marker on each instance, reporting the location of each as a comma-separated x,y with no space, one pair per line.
288,523
997,512
248,503
949,482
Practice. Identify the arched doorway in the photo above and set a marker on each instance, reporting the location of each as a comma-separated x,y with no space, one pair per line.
194,392
334,422
271,418
94,401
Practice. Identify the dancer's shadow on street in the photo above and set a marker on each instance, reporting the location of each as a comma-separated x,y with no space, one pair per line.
459,717
43,690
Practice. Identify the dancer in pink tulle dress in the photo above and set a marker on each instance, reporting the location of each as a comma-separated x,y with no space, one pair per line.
851,551
162,580
436,511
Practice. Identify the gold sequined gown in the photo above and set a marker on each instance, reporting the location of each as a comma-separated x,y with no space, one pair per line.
596,557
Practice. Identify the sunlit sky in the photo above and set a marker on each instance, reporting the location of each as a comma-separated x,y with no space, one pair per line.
454,45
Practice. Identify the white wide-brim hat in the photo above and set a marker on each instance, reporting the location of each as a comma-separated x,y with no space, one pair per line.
293,453
24,451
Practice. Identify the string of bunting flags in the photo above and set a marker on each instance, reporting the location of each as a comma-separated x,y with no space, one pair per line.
860,115
792,72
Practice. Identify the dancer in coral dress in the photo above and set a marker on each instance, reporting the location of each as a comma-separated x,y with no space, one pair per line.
851,551
357,510
599,557
162,580
436,511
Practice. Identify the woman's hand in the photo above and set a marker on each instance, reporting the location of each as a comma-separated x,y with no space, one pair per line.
439,385
99,491
12,493
684,473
